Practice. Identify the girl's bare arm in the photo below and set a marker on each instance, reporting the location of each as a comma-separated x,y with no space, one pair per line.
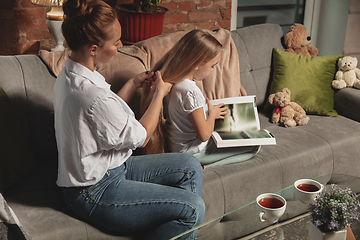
204,128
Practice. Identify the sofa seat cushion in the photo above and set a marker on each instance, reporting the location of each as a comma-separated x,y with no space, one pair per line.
338,136
44,217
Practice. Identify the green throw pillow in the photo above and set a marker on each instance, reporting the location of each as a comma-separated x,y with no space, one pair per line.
308,78
16,156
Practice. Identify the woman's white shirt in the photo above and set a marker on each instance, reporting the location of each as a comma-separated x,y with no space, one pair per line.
95,129
184,98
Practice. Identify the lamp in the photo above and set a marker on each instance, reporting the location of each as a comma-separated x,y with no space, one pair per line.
54,20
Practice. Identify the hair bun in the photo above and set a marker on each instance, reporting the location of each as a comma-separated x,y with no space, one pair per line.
78,9
86,22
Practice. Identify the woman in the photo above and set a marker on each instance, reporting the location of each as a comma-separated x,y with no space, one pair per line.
96,133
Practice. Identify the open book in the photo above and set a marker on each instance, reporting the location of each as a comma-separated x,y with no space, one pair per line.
241,126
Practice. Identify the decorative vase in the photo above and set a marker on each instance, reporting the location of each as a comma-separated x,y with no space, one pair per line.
55,31
137,26
54,20
316,234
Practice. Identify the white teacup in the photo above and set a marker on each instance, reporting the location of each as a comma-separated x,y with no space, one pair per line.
271,207
307,189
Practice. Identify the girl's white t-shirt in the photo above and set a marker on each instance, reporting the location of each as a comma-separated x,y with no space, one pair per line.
184,98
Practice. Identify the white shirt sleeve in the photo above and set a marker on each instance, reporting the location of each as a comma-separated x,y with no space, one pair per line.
116,126
192,100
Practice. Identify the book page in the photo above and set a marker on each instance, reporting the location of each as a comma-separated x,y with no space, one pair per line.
241,126
242,115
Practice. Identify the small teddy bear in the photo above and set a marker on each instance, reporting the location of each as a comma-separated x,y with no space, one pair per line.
348,74
297,41
287,113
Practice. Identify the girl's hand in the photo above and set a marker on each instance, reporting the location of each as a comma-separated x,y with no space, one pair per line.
217,111
204,127
162,88
147,77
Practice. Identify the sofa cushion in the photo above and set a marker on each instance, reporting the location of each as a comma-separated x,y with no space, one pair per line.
308,78
254,45
17,157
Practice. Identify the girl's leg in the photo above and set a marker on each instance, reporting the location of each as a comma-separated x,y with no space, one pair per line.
126,205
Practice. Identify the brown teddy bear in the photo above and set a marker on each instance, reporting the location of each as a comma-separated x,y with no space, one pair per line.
297,41
287,113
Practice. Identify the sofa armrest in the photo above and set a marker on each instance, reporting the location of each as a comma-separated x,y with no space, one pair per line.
347,103
9,223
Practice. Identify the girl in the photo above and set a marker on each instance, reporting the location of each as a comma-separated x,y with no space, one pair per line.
190,118
96,133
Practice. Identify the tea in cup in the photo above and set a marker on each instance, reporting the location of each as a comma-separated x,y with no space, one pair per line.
271,207
307,189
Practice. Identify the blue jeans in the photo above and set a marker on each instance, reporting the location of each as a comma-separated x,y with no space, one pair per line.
158,193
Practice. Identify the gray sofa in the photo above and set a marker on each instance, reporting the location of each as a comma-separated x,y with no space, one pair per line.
325,145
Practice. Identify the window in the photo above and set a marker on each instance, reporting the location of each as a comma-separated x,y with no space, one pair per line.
282,12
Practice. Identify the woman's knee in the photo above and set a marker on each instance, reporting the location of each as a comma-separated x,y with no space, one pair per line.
192,162
187,163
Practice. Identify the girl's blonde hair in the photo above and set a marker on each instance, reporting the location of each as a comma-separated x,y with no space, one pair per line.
195,47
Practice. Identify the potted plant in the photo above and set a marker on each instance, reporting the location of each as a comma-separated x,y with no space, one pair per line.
333,211
140,20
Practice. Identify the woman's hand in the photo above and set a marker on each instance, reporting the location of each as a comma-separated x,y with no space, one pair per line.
151,116
162,88
130,87
217,111
147,77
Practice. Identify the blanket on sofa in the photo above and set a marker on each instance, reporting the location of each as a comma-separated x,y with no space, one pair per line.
10,227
